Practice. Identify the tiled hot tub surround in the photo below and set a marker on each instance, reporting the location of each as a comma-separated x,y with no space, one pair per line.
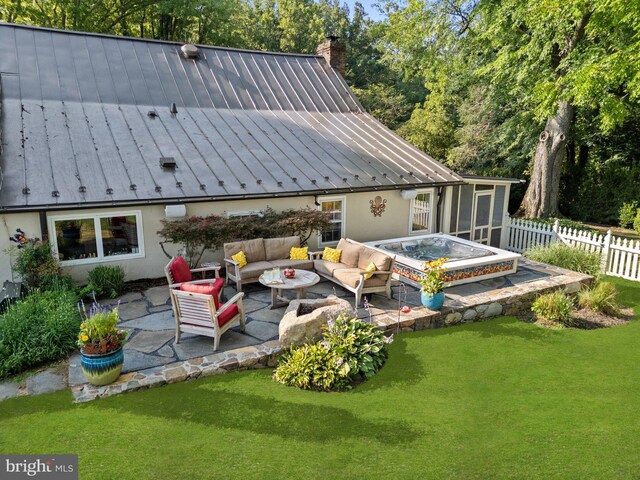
459,274
409,270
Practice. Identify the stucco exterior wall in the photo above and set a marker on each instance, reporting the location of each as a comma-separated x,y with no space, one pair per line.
29,223
360,224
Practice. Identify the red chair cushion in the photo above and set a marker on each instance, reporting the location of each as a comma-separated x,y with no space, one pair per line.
227,315
180,270
212,289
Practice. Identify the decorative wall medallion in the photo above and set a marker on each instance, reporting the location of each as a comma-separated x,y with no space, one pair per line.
377,206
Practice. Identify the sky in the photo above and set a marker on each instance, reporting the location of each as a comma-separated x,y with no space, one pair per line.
372,11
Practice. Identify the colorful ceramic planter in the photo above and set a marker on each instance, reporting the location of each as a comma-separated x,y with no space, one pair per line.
102,368
432,302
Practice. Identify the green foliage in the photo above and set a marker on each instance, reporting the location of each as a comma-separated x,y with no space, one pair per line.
98,332
555,307
198,234
627,214
41,328
565,256
600,298
351,350
385,103
105,280
38,268
636,222
432,280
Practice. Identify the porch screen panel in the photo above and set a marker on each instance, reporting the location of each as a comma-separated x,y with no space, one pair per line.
453,227
498,207
466,204
495,237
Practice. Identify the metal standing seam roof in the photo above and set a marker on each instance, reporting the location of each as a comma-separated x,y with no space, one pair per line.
76,131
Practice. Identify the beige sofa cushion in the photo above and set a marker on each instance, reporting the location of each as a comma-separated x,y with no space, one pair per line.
297,264
350,252
279,248
327,268
253,270
253,249
368,255
230,249
351,277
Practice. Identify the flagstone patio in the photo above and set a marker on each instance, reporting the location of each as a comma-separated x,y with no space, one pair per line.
152,357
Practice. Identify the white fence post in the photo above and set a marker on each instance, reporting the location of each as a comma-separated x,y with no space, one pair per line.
606,251
556,230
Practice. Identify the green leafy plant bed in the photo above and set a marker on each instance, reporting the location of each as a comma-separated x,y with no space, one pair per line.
598,308
351,352
565,256
41,328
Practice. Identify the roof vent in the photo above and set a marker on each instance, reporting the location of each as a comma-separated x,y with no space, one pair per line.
168,162
189,50
173,108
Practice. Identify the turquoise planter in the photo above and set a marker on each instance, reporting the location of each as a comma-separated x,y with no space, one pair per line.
102,369
432,302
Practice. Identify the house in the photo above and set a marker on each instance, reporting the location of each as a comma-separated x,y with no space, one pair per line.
104,136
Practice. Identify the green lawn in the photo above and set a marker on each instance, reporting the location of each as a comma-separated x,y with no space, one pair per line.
495,399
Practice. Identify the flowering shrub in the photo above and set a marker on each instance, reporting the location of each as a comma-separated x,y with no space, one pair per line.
433,279
198,234
98,333
351,351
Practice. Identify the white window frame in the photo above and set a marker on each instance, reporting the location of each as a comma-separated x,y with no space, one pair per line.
342,199
100,258
429,229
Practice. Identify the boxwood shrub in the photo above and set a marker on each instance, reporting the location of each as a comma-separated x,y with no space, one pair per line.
43,327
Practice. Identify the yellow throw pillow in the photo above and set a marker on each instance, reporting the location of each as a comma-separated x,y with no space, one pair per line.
299,253
241,258
370,268
331,255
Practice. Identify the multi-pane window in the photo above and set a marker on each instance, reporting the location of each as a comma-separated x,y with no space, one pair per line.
335,207
421,213
91,238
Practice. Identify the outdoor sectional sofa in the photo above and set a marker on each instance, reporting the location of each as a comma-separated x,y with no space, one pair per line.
265,254
262,254
350,271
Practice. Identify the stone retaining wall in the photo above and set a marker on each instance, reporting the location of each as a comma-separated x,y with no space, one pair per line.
259,356
514,301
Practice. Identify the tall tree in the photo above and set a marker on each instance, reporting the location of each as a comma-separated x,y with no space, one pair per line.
546,58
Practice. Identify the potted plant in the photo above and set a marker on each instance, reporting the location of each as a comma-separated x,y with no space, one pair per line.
432,283
100,343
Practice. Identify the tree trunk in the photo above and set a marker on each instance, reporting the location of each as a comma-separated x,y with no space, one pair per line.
541,197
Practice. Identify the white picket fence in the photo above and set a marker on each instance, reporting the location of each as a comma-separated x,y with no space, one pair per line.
620,256
421,213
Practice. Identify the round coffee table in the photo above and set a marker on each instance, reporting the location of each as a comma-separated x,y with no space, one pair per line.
299,283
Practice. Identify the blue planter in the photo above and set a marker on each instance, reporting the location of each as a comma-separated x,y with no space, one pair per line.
102,369
432,302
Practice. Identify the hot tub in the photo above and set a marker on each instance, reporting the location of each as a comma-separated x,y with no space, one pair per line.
468,261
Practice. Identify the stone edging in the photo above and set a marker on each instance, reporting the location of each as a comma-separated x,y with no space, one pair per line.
259,356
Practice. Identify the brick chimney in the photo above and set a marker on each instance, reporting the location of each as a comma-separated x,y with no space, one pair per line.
334,53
